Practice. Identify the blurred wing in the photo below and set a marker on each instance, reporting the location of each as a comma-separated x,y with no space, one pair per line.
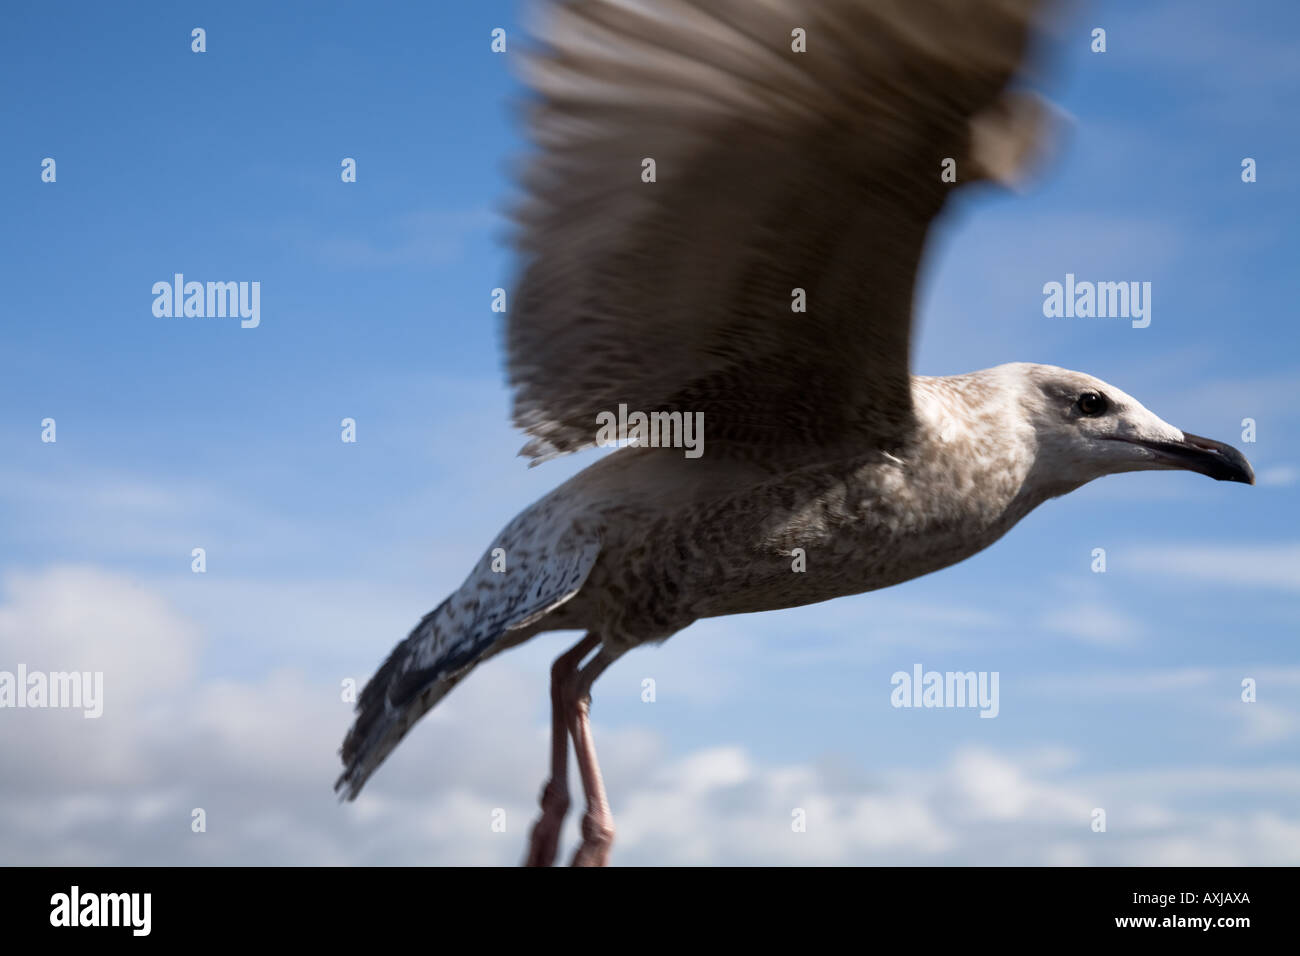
774,171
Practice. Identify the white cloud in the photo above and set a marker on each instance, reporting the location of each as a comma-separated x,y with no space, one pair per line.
1274,566
1265,723
258,755
1177,680
423,238
1279,476
1093,624
81,618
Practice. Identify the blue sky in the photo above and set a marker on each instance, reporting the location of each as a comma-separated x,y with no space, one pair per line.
1119,690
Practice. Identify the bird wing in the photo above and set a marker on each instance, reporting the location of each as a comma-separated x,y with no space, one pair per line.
775,171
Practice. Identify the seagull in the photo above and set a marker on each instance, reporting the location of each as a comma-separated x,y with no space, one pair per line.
700,167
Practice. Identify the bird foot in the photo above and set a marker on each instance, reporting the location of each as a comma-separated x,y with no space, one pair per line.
545,839
597,839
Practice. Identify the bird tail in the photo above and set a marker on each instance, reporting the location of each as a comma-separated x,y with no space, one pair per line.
490,612
418,673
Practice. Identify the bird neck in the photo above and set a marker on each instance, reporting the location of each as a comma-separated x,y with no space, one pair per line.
976,451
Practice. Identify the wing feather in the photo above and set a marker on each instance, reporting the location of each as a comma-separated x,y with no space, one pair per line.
776,170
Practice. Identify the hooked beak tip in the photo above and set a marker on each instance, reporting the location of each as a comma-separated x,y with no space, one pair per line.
1215,459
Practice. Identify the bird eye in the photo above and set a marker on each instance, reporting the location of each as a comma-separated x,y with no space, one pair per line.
1093,404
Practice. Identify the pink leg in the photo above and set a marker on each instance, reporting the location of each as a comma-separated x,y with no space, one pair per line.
545,838
597,822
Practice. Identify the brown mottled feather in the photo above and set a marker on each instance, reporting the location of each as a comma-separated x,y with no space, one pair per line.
776,170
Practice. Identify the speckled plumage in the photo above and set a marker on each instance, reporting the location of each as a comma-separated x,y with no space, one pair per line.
776,170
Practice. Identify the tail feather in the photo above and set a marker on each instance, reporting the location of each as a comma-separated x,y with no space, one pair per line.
398,695
489,610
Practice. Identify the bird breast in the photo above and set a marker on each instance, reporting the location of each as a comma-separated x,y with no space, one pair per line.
815,533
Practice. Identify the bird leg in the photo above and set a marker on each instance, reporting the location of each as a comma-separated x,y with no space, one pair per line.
597,822
545,838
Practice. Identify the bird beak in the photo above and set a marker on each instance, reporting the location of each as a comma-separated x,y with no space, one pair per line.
1204,455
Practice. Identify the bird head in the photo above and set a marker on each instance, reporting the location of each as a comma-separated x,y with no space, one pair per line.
1085,428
